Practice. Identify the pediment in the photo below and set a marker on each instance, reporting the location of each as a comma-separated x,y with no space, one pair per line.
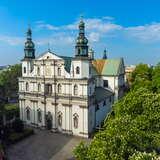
48,55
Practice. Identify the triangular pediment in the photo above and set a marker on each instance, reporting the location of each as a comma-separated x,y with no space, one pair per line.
48,55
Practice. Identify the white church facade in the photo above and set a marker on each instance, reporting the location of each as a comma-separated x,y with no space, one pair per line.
68,94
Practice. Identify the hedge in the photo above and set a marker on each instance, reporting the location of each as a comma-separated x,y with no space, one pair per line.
15,136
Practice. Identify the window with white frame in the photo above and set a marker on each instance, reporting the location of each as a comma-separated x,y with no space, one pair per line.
59,71
24,70
27,86
48,89
75,90
38,71
39,87
105,83
59,88
77,70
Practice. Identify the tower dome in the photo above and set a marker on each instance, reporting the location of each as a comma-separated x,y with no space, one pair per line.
81,42
29,47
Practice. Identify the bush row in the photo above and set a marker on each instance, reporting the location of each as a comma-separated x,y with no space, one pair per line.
17,136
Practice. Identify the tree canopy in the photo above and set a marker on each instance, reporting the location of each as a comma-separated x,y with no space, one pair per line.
132,129
9,80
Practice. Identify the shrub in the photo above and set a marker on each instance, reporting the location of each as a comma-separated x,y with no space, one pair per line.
18,125
17,136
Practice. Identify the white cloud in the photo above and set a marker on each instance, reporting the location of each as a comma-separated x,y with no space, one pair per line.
108,18
13,41
102,25
147,33
59,39
96,29
43,25
94,37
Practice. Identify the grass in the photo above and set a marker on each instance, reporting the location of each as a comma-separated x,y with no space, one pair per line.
10,107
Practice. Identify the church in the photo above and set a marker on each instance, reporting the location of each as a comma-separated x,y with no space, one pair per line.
71,95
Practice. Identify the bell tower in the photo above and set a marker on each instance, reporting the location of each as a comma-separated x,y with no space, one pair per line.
29,55
29,46
81,43
82,61
105,54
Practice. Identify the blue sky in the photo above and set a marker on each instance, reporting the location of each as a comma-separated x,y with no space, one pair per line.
127,28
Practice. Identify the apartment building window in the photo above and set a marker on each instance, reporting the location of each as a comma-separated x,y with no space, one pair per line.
105,83
77,70
59,88
75,90
59,71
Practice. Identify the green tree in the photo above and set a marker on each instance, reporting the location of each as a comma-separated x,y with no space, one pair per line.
156,78
9,80
142,77
131,127
143,156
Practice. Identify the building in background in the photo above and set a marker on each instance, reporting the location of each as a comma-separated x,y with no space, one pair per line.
128,73
68,94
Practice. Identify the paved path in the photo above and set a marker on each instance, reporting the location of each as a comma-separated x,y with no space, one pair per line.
44,145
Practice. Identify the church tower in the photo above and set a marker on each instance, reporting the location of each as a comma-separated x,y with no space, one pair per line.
105,54
29,55
82,61
29,46
81,44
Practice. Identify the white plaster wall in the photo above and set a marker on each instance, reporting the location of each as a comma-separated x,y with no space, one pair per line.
84,68
112,82
91,118
102,112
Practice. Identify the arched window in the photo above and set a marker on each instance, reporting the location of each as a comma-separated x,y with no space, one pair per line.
24,70
75,90
39,115
59,71
28,114
60,119
77,70
27,86
39,87
38,71
59,88
75,120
